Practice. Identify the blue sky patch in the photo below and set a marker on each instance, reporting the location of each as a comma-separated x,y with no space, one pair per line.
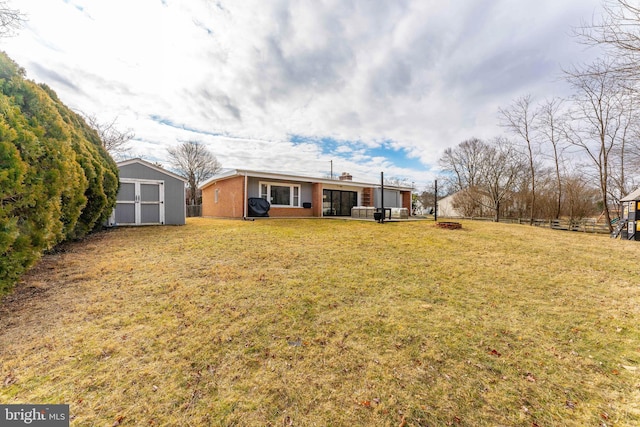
202,26
77,6
168,122
349,149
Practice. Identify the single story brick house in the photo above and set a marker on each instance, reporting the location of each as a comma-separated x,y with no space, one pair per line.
227,195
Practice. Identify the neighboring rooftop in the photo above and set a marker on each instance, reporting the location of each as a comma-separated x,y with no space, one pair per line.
632,196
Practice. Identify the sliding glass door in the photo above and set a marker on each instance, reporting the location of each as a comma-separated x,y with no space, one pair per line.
338,203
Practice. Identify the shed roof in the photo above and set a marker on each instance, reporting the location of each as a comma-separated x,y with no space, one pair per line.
290,177
150,165
631,196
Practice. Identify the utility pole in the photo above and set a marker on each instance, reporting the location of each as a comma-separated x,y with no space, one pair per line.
331,168
435,202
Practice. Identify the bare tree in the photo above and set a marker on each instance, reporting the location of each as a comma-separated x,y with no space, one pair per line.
598,120
633,150
627,140
617,30
10,19
551,126
501,167
519,119
549,206
463,163
113,139
484,174
193,161
427,197
580,198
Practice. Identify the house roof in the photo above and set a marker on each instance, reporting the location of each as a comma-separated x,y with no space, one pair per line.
632,196
290,177
151,166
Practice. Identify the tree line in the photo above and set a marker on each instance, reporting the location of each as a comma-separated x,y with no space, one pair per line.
572,157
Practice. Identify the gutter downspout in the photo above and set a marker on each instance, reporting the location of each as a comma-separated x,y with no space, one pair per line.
246,198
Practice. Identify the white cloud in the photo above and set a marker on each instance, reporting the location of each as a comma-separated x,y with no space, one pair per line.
416,76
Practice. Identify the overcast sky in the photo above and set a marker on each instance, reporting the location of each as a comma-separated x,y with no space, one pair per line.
290,85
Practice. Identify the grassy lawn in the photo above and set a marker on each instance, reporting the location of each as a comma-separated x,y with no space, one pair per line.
330,322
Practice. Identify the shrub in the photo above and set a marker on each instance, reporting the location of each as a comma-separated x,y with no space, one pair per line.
56,180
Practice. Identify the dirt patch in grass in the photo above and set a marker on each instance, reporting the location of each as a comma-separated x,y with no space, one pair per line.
312,322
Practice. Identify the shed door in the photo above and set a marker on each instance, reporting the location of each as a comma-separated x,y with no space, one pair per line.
139,202
125,211
151,203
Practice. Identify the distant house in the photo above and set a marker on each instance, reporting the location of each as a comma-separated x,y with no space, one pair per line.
446,207
229,194
476,204
148,195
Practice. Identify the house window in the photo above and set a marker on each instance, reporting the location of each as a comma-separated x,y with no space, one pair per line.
280,194
216,194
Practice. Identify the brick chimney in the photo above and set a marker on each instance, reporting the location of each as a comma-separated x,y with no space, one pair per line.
345,177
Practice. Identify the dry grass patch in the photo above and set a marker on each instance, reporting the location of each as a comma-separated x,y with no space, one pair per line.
320,322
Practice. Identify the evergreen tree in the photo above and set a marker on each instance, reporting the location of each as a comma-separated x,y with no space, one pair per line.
56,180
